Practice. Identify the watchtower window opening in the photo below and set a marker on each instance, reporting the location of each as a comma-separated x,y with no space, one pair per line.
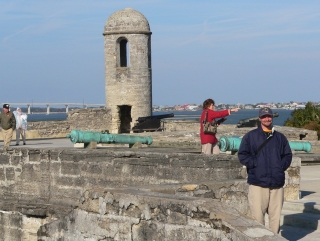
125,118
124,53
149,52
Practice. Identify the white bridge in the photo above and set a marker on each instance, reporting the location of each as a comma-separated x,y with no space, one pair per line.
55,104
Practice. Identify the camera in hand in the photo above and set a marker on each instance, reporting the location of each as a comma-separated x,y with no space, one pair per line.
221,120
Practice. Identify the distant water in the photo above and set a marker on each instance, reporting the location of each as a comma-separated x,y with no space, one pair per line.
45,117
234,118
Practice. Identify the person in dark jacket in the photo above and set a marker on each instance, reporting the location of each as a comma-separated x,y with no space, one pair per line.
8,124
266,165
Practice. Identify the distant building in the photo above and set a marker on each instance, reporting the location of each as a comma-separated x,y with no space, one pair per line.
248,107
192,107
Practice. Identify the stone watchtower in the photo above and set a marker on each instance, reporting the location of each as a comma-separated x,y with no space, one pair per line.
127,49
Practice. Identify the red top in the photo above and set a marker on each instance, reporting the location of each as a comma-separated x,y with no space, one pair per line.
210,138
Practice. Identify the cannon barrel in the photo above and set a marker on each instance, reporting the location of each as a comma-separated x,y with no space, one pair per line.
78,136
233,144
152,117
229,143
300,146
251,122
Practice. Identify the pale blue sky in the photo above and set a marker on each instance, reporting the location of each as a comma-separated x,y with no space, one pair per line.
231,51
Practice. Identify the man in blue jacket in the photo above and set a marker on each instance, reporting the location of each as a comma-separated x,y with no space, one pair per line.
266,154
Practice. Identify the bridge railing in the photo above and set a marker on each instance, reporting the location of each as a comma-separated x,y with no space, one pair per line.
30,105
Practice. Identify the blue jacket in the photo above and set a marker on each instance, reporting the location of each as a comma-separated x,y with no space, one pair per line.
266,169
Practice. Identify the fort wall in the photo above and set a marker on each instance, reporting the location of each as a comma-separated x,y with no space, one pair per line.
95,119
58,192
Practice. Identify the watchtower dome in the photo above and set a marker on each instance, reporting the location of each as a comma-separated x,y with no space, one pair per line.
127,49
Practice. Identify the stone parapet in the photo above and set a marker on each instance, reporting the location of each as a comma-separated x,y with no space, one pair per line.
95,119
47,129
134,214
62,175
47,184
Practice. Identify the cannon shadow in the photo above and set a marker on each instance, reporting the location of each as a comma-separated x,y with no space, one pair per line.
297,226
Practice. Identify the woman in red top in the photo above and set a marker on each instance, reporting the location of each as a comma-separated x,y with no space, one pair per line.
209,141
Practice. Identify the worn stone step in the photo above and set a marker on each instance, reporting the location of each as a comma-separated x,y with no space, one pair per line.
300,220
302,207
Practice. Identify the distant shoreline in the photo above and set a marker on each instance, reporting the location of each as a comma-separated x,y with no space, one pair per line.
225,109
35,113
178,115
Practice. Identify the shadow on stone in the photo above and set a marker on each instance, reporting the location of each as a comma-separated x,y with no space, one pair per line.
37,144
299,225
305,193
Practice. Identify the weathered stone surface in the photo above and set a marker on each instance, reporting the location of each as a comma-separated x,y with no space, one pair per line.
15,226
97,119
2,175
4,159
16,159
10,174
103,167
292,181
138,215
34,155
48,129
10,226
55,183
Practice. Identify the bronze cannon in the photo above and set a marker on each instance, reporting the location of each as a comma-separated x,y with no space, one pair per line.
86,137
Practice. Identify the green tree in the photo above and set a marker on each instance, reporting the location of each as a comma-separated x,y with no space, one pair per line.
307,118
